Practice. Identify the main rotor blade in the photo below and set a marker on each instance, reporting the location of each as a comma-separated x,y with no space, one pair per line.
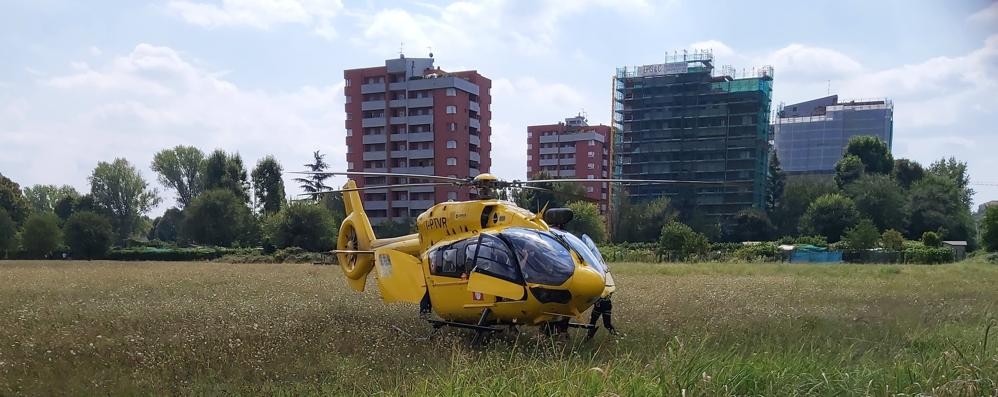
649,181
378,187
555,192
364,173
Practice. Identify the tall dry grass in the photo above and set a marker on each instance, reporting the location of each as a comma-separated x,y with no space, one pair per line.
89,328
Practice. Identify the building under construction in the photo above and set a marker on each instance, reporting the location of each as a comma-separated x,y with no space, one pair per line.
679,120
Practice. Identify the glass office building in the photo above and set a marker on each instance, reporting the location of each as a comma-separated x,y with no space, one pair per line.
681,121
810,137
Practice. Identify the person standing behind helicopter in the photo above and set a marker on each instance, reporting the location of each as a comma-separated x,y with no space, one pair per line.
603,307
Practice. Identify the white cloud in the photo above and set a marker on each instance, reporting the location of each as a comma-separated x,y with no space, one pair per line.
154,98
808,63
719,49
988,14
260,14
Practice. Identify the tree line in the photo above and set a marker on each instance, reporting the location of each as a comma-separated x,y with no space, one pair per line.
218,203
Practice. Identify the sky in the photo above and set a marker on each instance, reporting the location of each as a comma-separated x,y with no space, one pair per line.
89,81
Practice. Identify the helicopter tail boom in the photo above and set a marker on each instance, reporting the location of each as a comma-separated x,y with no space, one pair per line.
356,234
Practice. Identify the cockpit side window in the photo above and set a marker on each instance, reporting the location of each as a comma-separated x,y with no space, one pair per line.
494,258
450,260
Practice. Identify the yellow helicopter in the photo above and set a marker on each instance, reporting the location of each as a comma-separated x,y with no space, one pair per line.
479,264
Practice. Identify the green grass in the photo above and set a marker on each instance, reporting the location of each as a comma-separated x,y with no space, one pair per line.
114,328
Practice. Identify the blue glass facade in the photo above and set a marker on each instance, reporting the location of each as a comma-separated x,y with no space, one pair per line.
810,137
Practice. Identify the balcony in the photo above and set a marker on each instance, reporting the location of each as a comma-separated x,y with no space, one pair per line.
420,102
375,205
422,189
397,86
400,203
420,137
368,156
474,123
372,105
420,204
421,119
475,140
415,170
398,120
474,156
398,154
369,139
554,150
556,162
396,103
474,106
372,88
399,137
421,154
373,122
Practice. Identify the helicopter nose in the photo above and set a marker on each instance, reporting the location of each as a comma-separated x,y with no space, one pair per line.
587,282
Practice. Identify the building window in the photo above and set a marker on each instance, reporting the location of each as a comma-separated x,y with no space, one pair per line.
451,109
591,166
529,168
451,161
530,146
592,142
590,176
349,131
452,144
451,92
453,126
349,117
349,165
530,157
349,99
589,189
452,195
592,154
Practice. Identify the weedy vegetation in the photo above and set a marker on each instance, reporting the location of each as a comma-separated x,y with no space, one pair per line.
139,328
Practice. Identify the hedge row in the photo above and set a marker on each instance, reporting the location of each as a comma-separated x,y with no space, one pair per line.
174,254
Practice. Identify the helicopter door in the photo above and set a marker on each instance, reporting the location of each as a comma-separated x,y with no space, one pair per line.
400,276
494,271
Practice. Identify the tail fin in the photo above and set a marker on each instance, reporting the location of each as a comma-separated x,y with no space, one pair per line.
355,254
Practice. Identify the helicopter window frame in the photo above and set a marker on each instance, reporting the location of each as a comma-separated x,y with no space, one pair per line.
542,258
450,260
491,256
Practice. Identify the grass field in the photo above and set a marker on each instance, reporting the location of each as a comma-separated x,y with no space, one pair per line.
89,328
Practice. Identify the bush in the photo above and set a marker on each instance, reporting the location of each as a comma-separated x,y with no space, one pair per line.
931,239
174,254
862,236
41,235
892,240
306,226
830,216
989,228
680,242
817,241
88,235
297,255
217,217
764,252
928,255
992,258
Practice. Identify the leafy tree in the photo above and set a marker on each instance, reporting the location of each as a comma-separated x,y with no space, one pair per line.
334,204
830,215
65,207
872,152
180,169
642,221
587,220
776,181
88,235
223,171
881,199
751,225
8,234
936,204
43,198
217,217
316,182
553,195
681,242
268,186
931,239
989,228
41,235
957,172
862,236
167,226
12,200
308,226
797,196
892,240
395,228
906,172
118,189
848,170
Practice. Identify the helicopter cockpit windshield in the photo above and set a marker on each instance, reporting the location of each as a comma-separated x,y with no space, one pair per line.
542,258
582,250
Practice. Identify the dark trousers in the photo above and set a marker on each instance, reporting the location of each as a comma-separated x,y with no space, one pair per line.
602,308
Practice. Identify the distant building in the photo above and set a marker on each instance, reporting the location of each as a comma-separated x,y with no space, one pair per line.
412,117
811,136
572,149
680,120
